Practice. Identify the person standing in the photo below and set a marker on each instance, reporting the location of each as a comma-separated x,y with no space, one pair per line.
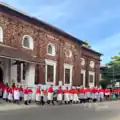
42,102
45,95
10,94
50,95
16,95
75,97
38,95
107,94
82,95
30,95
71,94
25,95
59,95
66,96
88,94
101,94
5,92
21,93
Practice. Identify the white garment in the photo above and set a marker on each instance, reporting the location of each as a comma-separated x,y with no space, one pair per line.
21,94
71,96
59,97
5,95
94,95
107,93
88,95
38,98
81,95
75,98
66,97
16,95
25,97
50,96
101,94
10,96
30,96
45,98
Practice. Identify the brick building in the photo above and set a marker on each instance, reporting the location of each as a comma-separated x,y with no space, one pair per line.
34,52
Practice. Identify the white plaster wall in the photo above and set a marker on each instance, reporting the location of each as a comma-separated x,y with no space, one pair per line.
13,71
7,67
30,75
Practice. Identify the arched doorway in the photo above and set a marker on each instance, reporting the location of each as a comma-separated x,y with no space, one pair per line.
1,75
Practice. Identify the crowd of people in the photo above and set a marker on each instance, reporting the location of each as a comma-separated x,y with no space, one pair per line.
67,95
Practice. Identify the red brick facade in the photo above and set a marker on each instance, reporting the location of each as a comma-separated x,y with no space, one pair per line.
16,25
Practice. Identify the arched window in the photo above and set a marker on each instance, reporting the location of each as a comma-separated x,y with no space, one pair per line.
51,49
1,34
27,42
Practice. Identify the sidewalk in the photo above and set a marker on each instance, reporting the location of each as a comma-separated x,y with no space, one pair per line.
10,106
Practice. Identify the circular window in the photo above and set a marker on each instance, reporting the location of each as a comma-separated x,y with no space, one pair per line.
92,64
68,53
82,61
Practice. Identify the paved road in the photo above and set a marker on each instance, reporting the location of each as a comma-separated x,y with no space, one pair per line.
104,111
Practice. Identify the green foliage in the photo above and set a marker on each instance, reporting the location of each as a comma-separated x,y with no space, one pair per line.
111,71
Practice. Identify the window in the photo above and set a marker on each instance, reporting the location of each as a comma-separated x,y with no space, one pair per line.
1,34
51,49
50,73
91,78
67,76
27,42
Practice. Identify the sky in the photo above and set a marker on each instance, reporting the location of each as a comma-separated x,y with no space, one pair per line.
97,21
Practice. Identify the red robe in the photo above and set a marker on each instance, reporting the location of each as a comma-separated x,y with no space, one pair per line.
50,90
38,91
25,91
59,91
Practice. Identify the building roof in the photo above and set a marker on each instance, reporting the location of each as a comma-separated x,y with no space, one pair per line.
44,24
91,50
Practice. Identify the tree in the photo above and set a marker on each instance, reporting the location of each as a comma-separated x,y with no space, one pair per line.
87,44
111,71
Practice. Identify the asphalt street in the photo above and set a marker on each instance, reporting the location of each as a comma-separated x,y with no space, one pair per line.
100,111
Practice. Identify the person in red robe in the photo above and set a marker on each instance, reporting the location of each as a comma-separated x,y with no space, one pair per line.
66,96
16,94
25,96
107,93
59,95
21,93
10,95
5,92
82,95
71,94
30,95
1,89
38,95
75,97
50,95
45,95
